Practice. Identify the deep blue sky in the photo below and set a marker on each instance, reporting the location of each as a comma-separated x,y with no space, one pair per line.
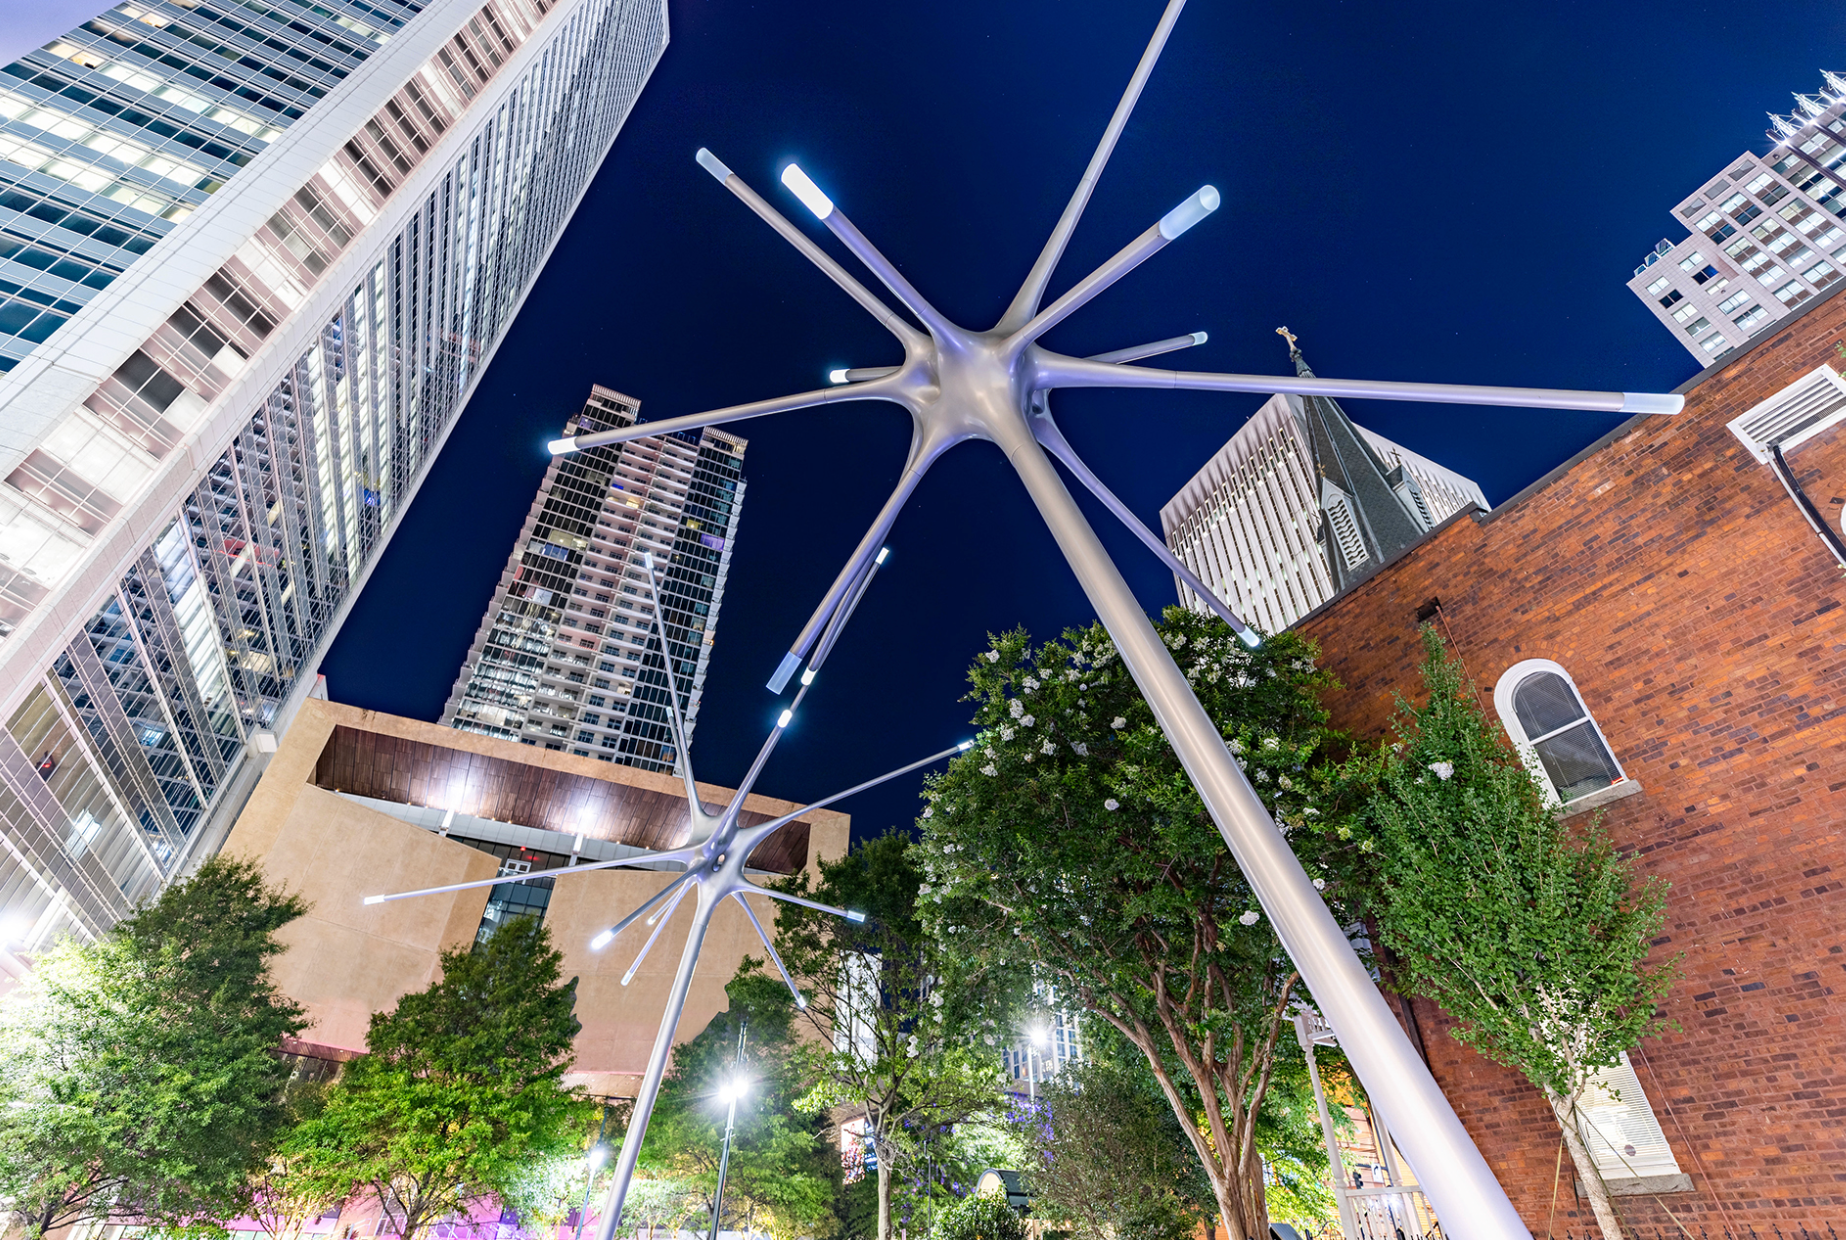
1445,191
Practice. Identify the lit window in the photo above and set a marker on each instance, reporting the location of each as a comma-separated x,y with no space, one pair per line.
1756,186
1545,717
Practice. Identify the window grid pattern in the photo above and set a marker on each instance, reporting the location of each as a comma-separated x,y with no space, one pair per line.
130,739
1249,523
569,655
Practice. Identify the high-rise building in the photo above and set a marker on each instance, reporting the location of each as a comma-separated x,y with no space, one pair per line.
570,654
253,259
1767,234
1302,504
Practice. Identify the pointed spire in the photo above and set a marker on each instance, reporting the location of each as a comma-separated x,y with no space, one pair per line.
1836,84
1369,511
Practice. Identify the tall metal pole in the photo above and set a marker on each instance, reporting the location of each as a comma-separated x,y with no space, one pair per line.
1468,1197
730,1123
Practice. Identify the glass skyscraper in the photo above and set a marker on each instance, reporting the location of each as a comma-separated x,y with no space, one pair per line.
253,256
570,654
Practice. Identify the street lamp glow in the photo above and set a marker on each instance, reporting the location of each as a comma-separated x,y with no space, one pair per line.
734,1089
1175,222
598,1156
809,193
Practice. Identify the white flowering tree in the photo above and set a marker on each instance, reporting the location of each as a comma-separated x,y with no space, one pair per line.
1070,843
888,1045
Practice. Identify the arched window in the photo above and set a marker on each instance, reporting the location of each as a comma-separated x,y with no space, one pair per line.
1545,716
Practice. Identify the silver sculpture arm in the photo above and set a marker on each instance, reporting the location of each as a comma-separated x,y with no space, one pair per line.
659,922
769,947
608,936
715,417
1058,371
1169,345
1026,301
868,300
685,855
673,712
1171,226
824,210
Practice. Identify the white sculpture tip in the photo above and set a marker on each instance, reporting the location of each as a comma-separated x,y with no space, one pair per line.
853,914
809,193
784,670
1199,337
801,1004
807,677
882,553
1189,212
1250,638
374,899
601,941
1652,402
965,746
783,722
647,558
560,446
837,376
712,164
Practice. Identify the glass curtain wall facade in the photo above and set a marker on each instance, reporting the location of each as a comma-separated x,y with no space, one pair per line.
569,655
181,532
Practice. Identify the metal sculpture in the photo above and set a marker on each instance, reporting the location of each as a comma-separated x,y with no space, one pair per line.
715,856
959,384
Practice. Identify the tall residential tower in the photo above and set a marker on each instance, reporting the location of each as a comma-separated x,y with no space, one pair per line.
1300,505
1767,234
253,259
569,655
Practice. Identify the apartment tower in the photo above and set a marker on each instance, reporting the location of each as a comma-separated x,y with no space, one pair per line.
1300,505
253,259
571,654
1767,234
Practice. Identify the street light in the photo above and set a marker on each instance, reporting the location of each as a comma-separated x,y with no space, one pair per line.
730,1091
598,1155
1035,1037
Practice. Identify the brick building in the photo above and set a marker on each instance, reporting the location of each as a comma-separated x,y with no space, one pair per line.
1667,583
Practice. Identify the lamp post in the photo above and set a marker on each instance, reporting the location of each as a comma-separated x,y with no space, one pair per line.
598,1155
732,1091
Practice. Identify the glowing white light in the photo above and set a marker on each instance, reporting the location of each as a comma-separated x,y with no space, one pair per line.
712,164
601,941
1199,337
854,915
882,553
809,193
807,677
836,376
374,899
965,746
733,1089
560,446
786,716
647,559
1189,212
599,1154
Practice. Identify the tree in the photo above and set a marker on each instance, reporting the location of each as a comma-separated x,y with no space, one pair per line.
1110,1158
286,1193
1070,847
783,1173
656,1202
461,1092
979,1217
889,1047
139,1075
1530,930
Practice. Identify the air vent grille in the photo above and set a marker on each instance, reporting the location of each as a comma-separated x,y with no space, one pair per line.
1799,411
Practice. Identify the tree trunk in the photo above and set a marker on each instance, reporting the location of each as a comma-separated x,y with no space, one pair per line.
1598,1192
884,1198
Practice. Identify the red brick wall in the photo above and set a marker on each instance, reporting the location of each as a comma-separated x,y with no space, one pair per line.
1701,619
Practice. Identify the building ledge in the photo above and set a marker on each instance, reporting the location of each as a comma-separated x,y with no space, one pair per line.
1601,797
1644,1185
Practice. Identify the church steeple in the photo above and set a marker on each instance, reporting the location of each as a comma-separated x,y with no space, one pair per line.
1369,511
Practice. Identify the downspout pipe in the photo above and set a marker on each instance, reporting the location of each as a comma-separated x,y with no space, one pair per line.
1827,533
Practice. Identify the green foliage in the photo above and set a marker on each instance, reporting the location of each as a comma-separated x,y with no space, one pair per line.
1530,930
1070,848
139,1075
1110,1159
784,1173
461,1093
902,1060
979,1218
654,1203
857,1207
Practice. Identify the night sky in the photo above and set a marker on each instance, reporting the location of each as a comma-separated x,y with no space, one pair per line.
1447,191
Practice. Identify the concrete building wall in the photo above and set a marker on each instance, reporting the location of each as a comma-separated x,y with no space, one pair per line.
1669,572
346,960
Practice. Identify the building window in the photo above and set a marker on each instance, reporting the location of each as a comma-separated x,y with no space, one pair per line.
1670,298
1548,722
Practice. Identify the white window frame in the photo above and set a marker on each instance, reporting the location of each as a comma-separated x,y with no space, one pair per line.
1503,689
1615,1097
